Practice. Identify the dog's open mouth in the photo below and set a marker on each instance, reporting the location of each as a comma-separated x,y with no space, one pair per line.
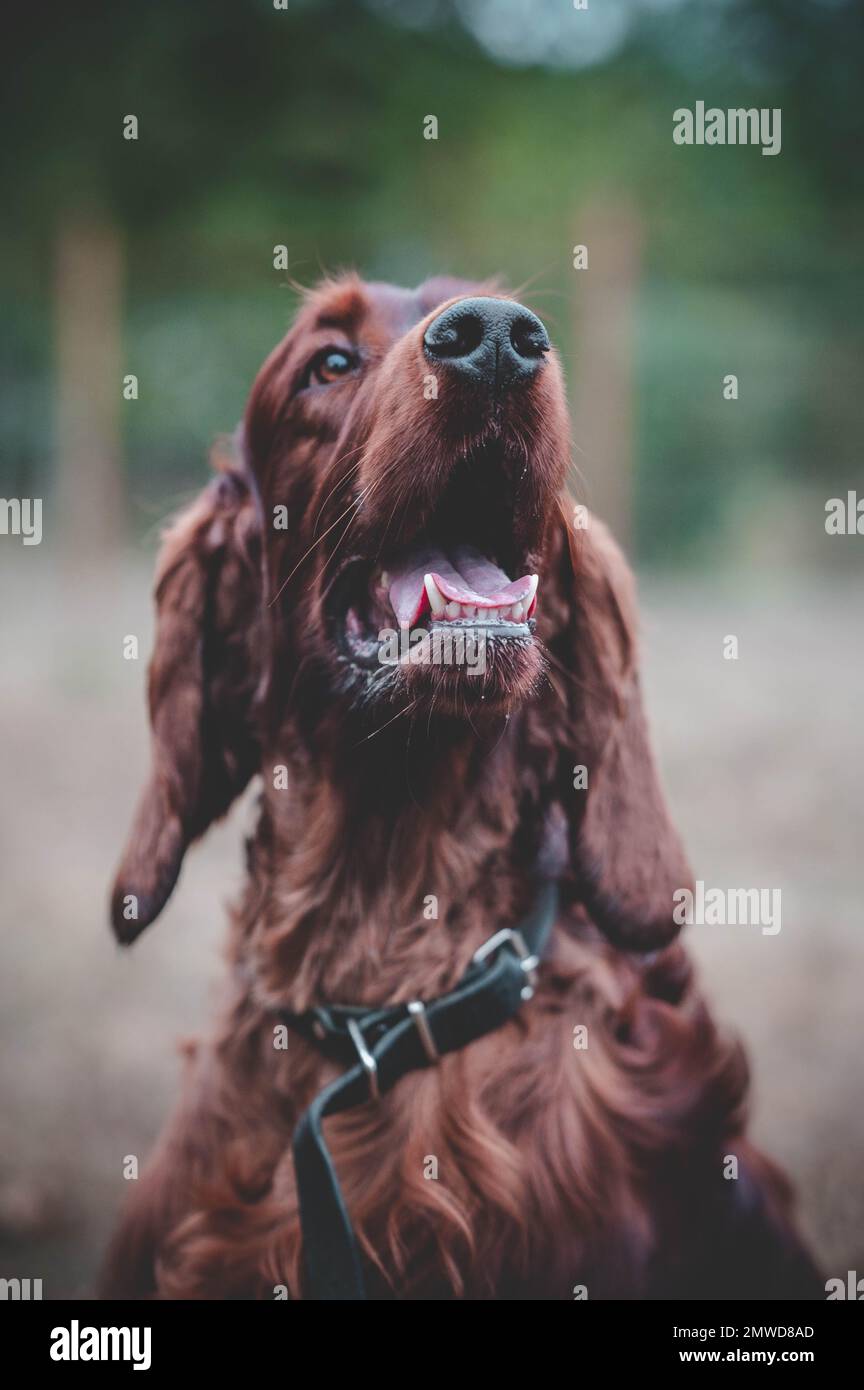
456,576
432,586
462,574
459,584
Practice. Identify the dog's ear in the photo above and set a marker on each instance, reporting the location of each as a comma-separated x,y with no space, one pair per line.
627,856
203,679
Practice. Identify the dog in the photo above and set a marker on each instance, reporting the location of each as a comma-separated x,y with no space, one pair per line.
579,1123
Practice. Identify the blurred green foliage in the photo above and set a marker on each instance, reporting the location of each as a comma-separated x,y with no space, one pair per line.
303,126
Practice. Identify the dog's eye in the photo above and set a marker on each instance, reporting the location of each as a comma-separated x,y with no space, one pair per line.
331,365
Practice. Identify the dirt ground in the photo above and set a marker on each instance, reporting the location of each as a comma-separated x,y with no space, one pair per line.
763,759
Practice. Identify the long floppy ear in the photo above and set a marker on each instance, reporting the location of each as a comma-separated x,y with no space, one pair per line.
626,853
203,678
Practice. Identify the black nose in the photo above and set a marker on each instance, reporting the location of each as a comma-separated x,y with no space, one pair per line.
493,342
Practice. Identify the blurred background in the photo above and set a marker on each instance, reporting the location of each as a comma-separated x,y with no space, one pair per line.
303,126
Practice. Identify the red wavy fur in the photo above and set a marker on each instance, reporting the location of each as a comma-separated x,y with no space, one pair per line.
601,1166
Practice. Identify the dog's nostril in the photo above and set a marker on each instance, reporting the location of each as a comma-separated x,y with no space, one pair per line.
529,338
458,336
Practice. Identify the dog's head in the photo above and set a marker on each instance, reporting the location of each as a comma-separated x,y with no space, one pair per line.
394,540
408,450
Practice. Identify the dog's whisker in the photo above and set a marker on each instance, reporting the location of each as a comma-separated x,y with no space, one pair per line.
380,730
356,503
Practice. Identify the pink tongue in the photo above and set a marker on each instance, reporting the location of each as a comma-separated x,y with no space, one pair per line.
465,576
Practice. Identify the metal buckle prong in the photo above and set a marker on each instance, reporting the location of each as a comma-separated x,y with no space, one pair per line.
509,936
417,1010
370,1066
322,1024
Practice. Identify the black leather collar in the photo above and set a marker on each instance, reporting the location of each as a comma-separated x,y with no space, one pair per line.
379,1047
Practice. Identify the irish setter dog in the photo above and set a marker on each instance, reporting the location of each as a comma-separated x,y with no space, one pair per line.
401,467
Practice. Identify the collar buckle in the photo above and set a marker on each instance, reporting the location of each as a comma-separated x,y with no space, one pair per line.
367,1061
510,936
417,1011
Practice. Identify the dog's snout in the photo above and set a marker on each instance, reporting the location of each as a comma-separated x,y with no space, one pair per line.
493,342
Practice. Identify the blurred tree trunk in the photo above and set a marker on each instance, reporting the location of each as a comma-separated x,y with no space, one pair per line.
90,518
604,328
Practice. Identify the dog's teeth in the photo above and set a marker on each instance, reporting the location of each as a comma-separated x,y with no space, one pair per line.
436,598
453,610
384,580
518,612
531,594
469,610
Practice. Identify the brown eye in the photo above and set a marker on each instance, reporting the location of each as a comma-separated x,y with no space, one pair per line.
332,364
